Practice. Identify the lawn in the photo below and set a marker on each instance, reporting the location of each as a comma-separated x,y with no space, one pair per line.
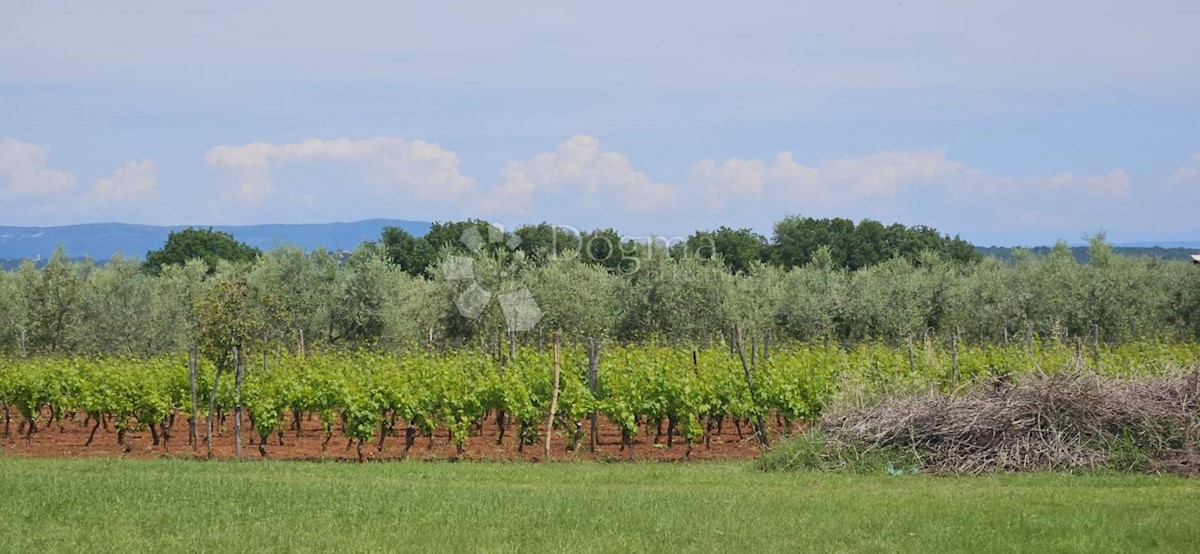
106,505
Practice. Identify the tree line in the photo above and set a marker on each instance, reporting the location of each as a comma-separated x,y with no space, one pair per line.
365,299
794,242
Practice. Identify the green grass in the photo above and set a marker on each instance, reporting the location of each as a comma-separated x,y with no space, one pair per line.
107,505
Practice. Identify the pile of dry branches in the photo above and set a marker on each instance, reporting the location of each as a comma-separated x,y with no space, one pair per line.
1039,422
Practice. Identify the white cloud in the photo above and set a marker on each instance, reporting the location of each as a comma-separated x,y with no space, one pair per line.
740,178
885,173
134,183
879,176
578,166
1113,184
423,170
23,171
1184,175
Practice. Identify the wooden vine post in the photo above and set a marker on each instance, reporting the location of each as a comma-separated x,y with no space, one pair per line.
593,384
912,365
237,405
760,429
194,423
553,398
954,358
512,340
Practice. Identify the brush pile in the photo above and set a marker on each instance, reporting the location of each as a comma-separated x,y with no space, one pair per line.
1039,422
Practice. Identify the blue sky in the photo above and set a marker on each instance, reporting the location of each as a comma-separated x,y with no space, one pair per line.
1008,123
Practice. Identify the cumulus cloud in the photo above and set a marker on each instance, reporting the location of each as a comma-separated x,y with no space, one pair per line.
23,171
134,183
578,166
741,178
879,176
1186,175
420,169
1113,184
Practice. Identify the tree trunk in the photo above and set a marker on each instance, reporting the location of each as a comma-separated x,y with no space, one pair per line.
383,432
410,436
92,435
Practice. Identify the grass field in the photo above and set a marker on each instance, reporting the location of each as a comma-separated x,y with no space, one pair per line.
105,505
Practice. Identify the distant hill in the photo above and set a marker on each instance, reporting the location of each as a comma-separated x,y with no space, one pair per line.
101,240
1185,244
1081,252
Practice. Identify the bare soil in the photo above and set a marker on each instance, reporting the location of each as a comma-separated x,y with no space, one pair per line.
69,439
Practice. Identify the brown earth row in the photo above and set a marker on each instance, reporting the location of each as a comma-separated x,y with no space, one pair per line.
69,441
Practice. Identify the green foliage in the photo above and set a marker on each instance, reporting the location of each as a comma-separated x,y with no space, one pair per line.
739,249
546,242
52,302
644,292
413,254
203,244
851,246
638,387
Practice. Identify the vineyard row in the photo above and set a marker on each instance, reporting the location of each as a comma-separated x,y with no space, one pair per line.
369,396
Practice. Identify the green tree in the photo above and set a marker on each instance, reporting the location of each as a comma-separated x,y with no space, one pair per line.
52,300
739,249
360,297
545,241
413,254
303,285
117,308
581,300
12,328
204,244
604,247
458,236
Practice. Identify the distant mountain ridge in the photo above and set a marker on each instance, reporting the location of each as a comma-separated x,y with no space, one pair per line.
1081,252
101,240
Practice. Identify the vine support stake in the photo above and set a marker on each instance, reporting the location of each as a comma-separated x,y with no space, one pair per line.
593,384
553,398
912,366
954,358
237,405
760,430
193,425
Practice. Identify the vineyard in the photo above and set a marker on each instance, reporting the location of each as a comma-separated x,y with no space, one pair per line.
615,399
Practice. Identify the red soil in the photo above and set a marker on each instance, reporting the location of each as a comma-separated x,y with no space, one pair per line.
51,441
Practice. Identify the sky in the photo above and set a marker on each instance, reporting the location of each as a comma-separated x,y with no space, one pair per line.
1007,123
